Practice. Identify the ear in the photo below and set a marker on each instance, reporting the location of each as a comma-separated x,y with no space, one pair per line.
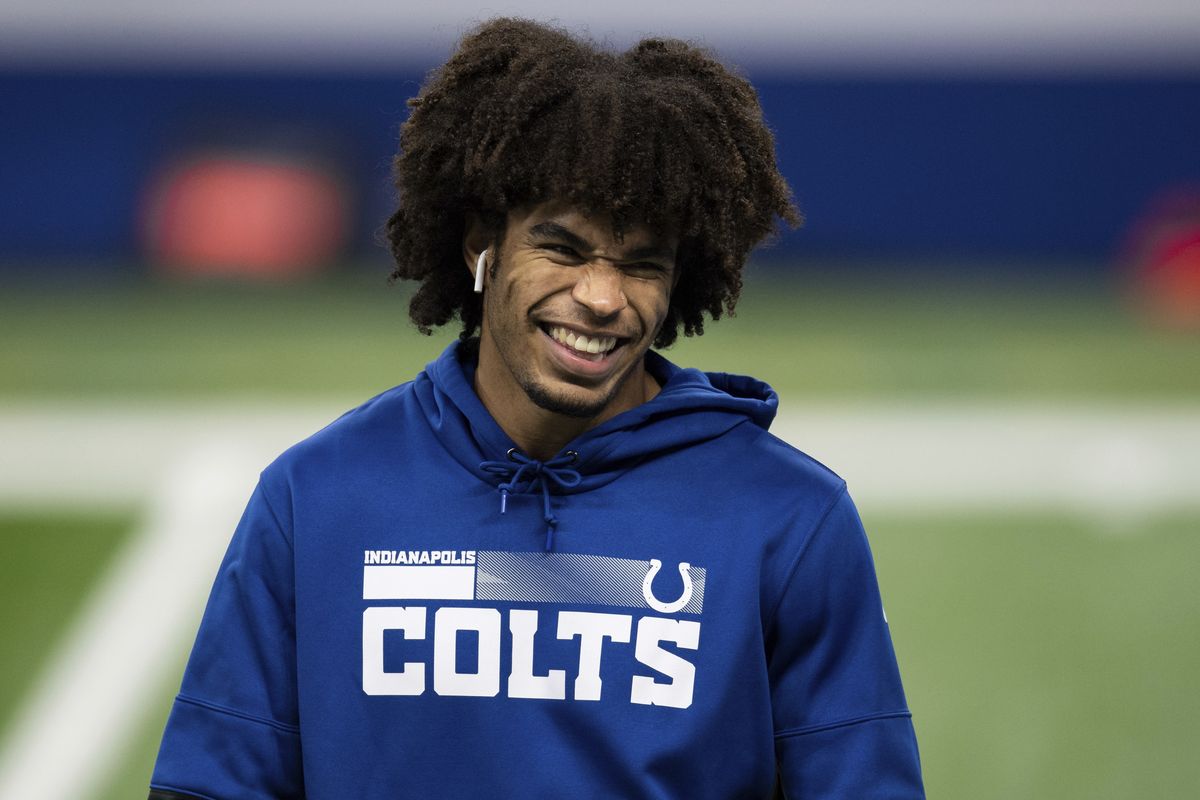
475,240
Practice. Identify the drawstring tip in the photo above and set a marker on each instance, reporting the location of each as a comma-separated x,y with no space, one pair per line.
527,475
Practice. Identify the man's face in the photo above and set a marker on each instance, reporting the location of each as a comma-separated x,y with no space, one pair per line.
570,311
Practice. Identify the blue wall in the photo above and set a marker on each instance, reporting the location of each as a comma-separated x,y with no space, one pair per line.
914,168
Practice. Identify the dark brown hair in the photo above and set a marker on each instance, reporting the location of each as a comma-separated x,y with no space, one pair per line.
522,113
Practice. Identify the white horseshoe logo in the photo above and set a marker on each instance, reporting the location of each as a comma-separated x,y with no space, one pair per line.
685,572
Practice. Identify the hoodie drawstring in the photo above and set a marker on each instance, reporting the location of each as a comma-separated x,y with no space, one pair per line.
523,474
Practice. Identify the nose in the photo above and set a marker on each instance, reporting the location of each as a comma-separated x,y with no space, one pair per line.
600,290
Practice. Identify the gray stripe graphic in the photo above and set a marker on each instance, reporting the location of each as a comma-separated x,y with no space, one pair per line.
579,578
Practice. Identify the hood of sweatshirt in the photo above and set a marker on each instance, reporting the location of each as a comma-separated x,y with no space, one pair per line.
691,407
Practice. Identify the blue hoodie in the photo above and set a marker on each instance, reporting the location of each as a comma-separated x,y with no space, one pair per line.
678,605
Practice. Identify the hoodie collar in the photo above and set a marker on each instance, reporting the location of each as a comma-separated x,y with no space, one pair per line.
691,407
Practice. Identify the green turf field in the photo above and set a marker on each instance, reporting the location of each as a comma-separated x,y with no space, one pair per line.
1046,655
50,560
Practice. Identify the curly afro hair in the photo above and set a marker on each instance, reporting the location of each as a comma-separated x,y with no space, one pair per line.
523,113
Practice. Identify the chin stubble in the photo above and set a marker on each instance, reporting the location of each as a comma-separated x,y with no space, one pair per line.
570,407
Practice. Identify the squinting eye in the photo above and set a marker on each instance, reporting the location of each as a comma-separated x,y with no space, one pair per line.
646,268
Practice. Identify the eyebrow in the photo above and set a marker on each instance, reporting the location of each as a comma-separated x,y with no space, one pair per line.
552,230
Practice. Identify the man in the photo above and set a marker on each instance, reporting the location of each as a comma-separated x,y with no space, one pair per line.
555,564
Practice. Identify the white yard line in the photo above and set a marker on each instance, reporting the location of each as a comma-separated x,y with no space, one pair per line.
194,471
134,628
195,467
946,456
113,455
931,456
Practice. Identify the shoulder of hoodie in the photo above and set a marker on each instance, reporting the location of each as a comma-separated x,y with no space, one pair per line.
751,453
756,450
794,494
360,425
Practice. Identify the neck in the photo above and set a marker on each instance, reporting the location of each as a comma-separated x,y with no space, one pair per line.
540,435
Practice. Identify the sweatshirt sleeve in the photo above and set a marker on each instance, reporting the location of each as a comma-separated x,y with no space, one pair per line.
842,727
233,730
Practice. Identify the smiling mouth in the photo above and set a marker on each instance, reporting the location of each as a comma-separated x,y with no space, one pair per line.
593,348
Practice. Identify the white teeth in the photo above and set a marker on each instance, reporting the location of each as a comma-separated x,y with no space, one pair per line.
581,343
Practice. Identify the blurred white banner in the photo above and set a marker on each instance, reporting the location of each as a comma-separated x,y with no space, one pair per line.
1014,35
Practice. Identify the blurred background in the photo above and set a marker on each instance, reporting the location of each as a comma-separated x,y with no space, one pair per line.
989,324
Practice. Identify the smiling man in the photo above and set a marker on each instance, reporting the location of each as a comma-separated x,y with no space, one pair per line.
555,564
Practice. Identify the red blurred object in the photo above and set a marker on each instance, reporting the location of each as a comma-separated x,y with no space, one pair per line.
1164,252
225,214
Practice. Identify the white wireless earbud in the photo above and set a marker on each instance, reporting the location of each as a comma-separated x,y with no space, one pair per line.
479,272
